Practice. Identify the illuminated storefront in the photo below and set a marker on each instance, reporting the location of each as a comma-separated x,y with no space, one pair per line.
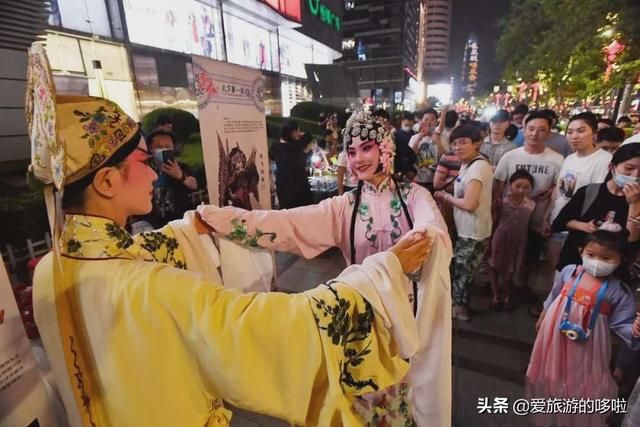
150,67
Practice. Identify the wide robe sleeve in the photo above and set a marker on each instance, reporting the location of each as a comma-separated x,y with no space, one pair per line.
307,231
300,357
430,374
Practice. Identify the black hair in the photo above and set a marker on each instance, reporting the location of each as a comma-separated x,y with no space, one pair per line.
522,174
626,152
624,119
466,131
613,134
608,122
552,114
538,115
287,128
407,115
430,111
382,113
511,132
450,119
159,132
588,118
327,132
520,109
73,196
164,120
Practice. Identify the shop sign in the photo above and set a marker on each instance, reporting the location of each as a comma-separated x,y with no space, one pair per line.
326,15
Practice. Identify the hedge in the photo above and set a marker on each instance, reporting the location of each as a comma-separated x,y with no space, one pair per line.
184,123
25,216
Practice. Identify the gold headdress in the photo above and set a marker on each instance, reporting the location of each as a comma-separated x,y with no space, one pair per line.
71,136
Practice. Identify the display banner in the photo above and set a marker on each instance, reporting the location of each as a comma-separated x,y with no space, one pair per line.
23,398
233,131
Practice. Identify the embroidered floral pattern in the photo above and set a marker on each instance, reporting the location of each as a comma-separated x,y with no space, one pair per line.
123,239
94,237
350,333
163,248
364,214
47,153
396,212
240,233
386,408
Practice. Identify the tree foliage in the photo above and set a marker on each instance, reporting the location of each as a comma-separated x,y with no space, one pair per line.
561,43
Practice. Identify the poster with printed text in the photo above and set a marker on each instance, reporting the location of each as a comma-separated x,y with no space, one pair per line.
233,131
23,398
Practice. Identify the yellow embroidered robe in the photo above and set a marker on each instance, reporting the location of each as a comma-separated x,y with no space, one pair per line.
166,345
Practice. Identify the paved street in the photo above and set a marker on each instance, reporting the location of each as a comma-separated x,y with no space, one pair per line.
490,353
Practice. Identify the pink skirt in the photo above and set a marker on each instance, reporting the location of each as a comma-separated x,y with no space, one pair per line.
565,369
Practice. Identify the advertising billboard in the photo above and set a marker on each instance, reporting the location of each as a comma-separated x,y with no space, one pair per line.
187,26
249,44
234,140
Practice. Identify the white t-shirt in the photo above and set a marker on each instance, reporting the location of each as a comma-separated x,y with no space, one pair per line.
350,179
474,225
426,157
544,167
577,172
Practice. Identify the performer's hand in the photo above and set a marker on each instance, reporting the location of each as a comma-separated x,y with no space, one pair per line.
412,250
201,226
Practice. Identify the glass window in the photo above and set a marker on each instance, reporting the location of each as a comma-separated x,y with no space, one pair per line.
88,16
183,26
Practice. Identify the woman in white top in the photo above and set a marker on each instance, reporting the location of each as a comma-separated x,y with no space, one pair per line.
587,165
471,200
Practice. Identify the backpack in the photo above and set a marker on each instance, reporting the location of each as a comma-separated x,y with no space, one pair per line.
590,194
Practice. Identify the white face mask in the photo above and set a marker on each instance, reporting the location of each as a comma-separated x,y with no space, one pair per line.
622,180
407,128
597,268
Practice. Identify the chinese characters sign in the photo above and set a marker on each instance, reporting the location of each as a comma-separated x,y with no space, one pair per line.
233,129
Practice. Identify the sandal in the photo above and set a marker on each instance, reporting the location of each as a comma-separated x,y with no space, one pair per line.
496,304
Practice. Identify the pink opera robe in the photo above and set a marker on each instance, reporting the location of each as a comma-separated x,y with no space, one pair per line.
380,222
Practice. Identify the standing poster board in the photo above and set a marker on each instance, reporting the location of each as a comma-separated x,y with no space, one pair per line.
233,131
23,398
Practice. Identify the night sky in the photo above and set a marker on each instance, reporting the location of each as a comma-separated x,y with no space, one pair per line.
479,17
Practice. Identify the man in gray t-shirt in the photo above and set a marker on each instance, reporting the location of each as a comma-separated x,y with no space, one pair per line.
556,141
496,144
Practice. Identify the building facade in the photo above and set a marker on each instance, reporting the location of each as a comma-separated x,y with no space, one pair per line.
24,23
380,47
138,52
436,31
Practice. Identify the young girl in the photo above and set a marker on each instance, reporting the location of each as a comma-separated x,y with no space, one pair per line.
572,351
362,222
509,242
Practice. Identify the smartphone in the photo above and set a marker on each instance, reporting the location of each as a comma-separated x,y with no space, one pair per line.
164,155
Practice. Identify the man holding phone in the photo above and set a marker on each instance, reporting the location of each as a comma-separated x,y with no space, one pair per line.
425,144
175,180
